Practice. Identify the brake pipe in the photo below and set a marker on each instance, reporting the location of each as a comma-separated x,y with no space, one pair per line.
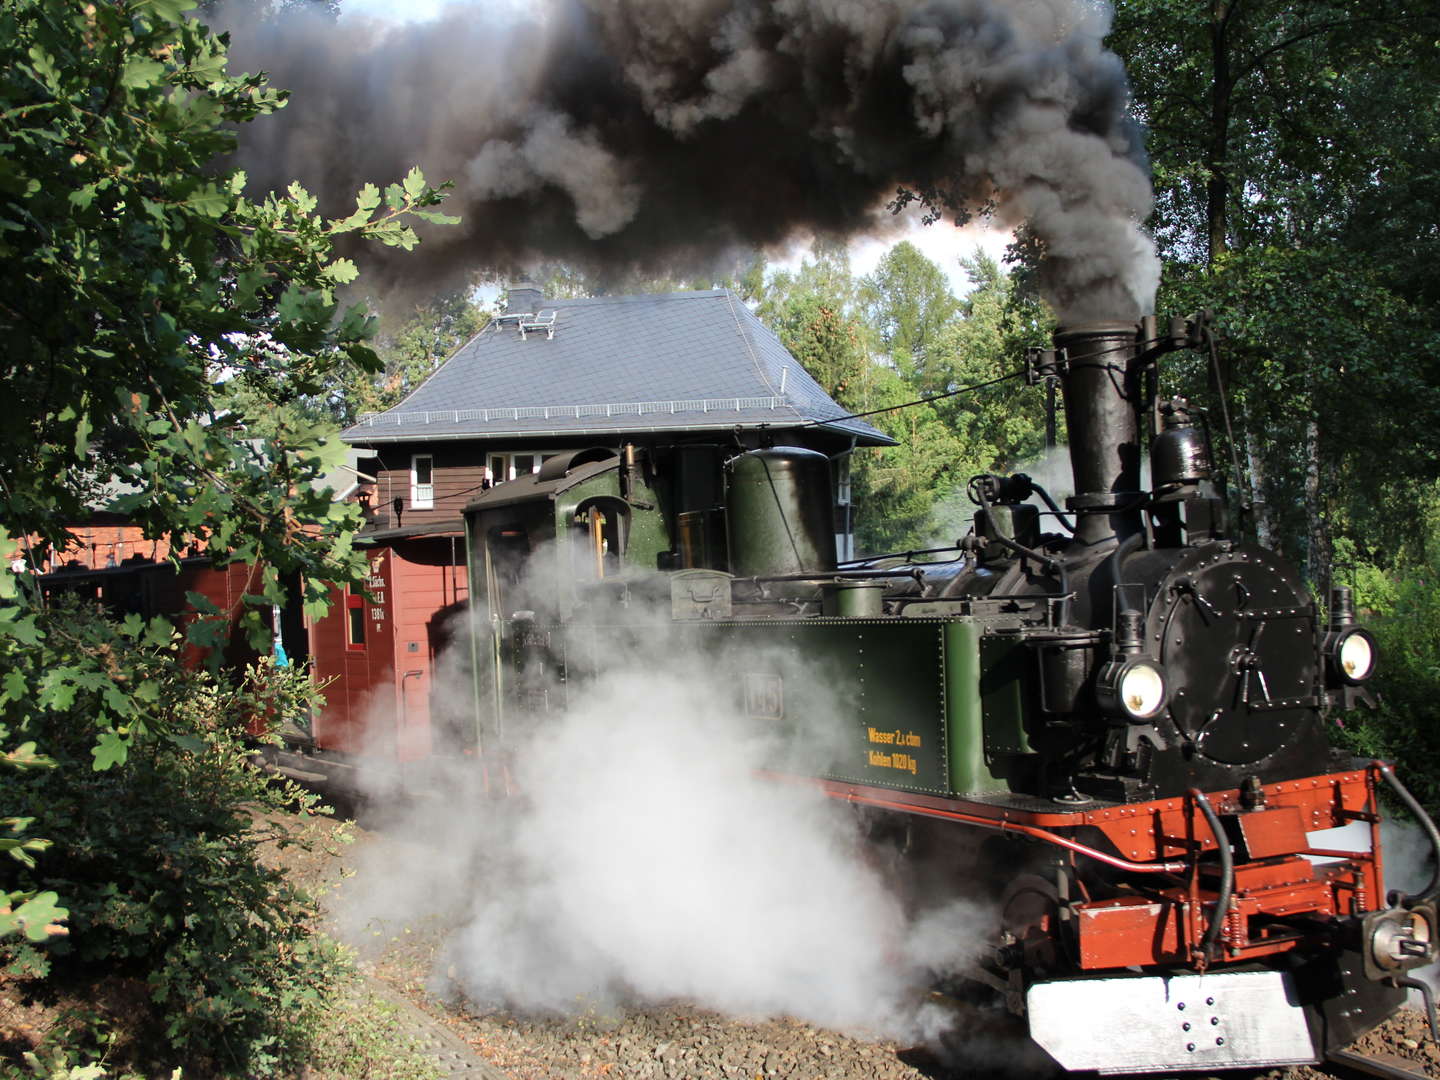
1005,825
1227,873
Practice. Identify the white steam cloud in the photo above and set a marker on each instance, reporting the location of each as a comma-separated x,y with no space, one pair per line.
643,858
651,863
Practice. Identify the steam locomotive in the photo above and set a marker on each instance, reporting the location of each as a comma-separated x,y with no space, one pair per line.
1113,713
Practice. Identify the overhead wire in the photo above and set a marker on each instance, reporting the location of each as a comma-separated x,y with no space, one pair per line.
1017,373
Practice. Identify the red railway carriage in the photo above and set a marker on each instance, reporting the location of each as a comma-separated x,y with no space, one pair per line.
144,587
376,651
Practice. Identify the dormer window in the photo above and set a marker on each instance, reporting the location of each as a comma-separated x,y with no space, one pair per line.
422,482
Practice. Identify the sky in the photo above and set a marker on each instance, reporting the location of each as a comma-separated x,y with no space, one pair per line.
393,10
943,244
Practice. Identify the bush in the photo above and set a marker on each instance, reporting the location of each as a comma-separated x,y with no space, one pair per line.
1401,606
156,853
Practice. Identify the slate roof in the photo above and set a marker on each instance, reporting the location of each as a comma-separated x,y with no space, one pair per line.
669,362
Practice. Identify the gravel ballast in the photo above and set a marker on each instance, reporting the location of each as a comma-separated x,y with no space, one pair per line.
676,1039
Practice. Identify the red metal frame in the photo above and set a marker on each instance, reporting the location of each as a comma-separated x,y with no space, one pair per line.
1279,900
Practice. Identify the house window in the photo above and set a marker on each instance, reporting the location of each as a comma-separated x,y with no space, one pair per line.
354,620
508,466
422,482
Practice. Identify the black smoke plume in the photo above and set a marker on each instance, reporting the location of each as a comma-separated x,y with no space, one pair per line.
657,134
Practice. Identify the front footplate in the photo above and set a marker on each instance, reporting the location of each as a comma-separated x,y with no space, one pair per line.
1256,1018
1138,1023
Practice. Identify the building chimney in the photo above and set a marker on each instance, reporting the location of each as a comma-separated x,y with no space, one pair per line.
523,298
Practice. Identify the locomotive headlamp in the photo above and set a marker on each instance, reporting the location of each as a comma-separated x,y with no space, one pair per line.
1134,687
1351,654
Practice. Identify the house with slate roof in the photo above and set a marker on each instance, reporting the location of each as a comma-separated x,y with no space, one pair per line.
549,375
667,376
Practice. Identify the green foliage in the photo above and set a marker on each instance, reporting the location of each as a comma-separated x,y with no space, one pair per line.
1296,151
814,311
1315,349
889,341
140,293
567,281
362,1036
1295,148
907,493
896,488
1401,606
147,306
1271,120
59,1066
158,859
908,303
419,343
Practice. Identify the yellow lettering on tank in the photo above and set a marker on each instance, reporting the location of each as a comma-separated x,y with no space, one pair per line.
895,738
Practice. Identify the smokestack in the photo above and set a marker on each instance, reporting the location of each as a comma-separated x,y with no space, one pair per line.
1102,414
669,137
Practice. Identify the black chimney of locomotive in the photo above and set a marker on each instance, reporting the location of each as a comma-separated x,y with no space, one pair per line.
1102,404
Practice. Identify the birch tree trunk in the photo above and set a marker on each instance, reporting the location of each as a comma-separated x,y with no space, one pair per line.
1318,555
1254,492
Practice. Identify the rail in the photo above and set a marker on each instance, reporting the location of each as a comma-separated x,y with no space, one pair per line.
1385,1066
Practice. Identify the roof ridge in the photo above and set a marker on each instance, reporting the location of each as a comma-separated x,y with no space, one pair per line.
489,322
750,345
680,294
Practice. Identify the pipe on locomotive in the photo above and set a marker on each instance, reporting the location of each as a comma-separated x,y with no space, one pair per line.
1227,874
1000,824
1432,890
1055,565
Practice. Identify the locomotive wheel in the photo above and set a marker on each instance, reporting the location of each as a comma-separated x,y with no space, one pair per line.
924,862
1034,923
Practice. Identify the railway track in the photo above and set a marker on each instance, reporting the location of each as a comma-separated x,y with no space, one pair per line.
679,1041
1347,1063
455,1058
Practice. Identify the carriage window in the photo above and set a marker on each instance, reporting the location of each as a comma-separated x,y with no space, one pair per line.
422,482
354,620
